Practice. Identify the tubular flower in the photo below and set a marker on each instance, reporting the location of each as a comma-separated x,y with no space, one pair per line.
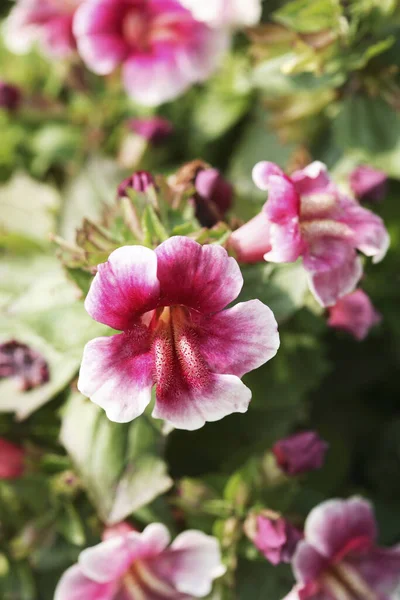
355,314
307,216
339,558
11,460
48,22
133,566
300,453
226,13
169,304
161,47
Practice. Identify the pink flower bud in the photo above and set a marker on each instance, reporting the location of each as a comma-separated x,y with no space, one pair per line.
24,364
153,129
11,460
355,314
213,198
300,453
368,184
273,535
10,96
139,182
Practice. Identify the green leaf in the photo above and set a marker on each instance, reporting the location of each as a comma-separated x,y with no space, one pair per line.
120,465
308,17
261,580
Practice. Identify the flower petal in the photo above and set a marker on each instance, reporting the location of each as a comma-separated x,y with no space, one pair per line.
124,287
336,525
74,585
330,285
238,340
109,560
355,314
380,568
190,407
286,242
204,278
313,179
308,563
192,563
116,374
252,240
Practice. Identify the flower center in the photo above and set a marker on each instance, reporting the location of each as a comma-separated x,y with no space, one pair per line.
140,582
176,350
135,29
344,582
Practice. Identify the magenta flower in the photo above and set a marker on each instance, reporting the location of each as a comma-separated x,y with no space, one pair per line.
226,13
368,184
213,196
273,535
153,129
10,96
339,558
355,314
169,304
11,460
300,453
163,50
142,566
48,22
307,216
139,181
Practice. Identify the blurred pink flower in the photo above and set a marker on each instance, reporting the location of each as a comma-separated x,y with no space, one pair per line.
11,460
339,558
143,565
169,304
10,96
162,48
307,216
23,364
368,184
139,181
213,196
300,452
48,22
355,314
153,129
273,535
226,13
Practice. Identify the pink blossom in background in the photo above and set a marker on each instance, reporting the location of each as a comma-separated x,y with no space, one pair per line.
307,216
275,537
213,198
10,96
153,129
169,304
355,314
300,453
48,22
339,558
226,13
162,48
24,364
368,184
138,181
11,460
144,566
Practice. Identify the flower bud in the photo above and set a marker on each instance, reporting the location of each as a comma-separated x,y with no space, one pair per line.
10,96
11,460
153,129
139,182
368,184
21,362
355,314
273,535
300,453
213,196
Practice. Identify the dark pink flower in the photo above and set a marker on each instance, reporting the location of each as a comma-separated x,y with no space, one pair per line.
213,196
143,566
138,181
339,558
24,364
355,314
368,184
161,47
307,216
273,535
11,460
300,453
169,304
48,22
10,96
153,129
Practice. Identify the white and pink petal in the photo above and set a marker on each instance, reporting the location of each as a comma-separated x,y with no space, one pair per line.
74,585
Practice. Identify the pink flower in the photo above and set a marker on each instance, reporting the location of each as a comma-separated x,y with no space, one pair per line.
10,96
307,216
24,364
213,196
142,566
355,314
162,48
339,558
47,21
11,460
368,184
169,304
226,13
138,181
273,535
300,453
153,129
